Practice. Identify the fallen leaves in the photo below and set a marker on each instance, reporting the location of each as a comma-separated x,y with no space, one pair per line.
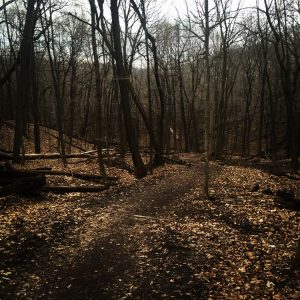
157,237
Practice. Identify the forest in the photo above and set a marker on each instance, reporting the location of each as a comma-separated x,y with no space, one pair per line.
146,155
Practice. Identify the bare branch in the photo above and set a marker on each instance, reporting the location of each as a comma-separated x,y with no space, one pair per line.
6,4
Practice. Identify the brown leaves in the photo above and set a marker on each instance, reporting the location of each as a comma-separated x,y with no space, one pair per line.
251,255
157,237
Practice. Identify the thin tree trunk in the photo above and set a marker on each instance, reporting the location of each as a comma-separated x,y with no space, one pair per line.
208,102
98,84
174,115
49,36
149,94
120,115
73,91
182,107
86,115
35,108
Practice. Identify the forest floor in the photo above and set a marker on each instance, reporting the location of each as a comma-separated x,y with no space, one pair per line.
153,238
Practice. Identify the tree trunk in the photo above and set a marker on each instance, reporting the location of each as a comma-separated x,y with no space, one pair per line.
207,102
149,94
56,80
86,115
35,104
123,80
23,78
158,154
73,91
182,108
296,262
98,84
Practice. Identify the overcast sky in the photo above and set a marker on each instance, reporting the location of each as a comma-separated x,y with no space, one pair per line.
170,7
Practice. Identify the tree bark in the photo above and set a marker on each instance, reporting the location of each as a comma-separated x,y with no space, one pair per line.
123,81
289,74
207,102
158,155
296,262
99,95
56,80
23,78
35,104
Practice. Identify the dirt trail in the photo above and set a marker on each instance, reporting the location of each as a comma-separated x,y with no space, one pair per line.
122,264
116,245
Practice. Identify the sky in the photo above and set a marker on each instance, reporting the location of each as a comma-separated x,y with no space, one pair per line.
171,8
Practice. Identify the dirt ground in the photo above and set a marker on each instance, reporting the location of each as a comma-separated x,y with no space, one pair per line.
155,238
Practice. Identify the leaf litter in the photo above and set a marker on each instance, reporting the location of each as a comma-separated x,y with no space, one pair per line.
155,238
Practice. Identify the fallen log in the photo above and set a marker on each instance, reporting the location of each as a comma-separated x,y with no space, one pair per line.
296,261
283,174
18,173
74,189
77,137
145,217
22,185
32,156
86,154
67,142
5,155
118,164
177,161
287,199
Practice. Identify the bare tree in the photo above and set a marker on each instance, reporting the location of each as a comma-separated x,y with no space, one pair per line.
229,33
53,41
150,37
280,17
98,85
124,86
6,4
208,127
25,53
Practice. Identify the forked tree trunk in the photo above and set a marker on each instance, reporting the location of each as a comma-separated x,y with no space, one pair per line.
124,87
98,84
158,154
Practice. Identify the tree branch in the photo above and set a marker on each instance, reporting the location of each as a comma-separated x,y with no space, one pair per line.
6,4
